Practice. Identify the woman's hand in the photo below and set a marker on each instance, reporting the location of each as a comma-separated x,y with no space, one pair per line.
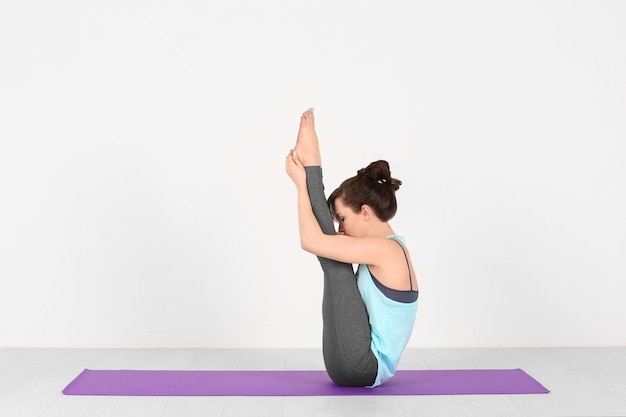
295,169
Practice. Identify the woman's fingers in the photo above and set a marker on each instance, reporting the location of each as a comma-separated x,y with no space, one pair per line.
293,164
291,160
296,158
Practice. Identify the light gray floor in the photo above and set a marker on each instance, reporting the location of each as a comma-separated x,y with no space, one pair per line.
583,381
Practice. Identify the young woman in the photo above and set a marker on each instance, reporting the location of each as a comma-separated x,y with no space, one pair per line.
367,318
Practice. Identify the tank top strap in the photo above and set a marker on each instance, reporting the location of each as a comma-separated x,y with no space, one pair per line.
400,241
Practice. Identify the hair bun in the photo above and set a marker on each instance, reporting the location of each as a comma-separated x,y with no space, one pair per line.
380,173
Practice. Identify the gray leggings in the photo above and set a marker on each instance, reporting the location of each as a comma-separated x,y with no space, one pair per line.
346,336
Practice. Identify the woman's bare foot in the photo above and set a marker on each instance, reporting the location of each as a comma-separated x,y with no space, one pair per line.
307,145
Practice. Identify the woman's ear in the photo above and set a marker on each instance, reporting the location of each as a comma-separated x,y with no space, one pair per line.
366,212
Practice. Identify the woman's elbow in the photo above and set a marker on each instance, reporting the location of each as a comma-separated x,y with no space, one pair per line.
304,245
308,246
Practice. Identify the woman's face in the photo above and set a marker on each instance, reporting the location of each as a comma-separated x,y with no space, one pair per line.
350,223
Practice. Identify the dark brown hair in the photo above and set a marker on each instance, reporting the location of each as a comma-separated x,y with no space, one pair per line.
373,186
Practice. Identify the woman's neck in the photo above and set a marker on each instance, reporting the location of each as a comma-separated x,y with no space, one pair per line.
380,229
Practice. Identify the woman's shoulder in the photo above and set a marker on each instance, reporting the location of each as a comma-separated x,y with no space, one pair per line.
395,269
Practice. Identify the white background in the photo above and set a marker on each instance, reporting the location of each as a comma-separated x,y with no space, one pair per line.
143,199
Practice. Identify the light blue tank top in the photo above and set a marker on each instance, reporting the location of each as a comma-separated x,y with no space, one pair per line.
391,323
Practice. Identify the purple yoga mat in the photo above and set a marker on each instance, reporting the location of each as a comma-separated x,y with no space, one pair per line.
298,383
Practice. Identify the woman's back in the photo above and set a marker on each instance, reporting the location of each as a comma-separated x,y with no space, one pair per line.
391,315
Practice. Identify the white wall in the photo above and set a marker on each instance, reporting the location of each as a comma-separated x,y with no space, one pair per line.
143,194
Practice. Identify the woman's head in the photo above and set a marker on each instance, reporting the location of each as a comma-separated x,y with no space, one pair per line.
373,186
